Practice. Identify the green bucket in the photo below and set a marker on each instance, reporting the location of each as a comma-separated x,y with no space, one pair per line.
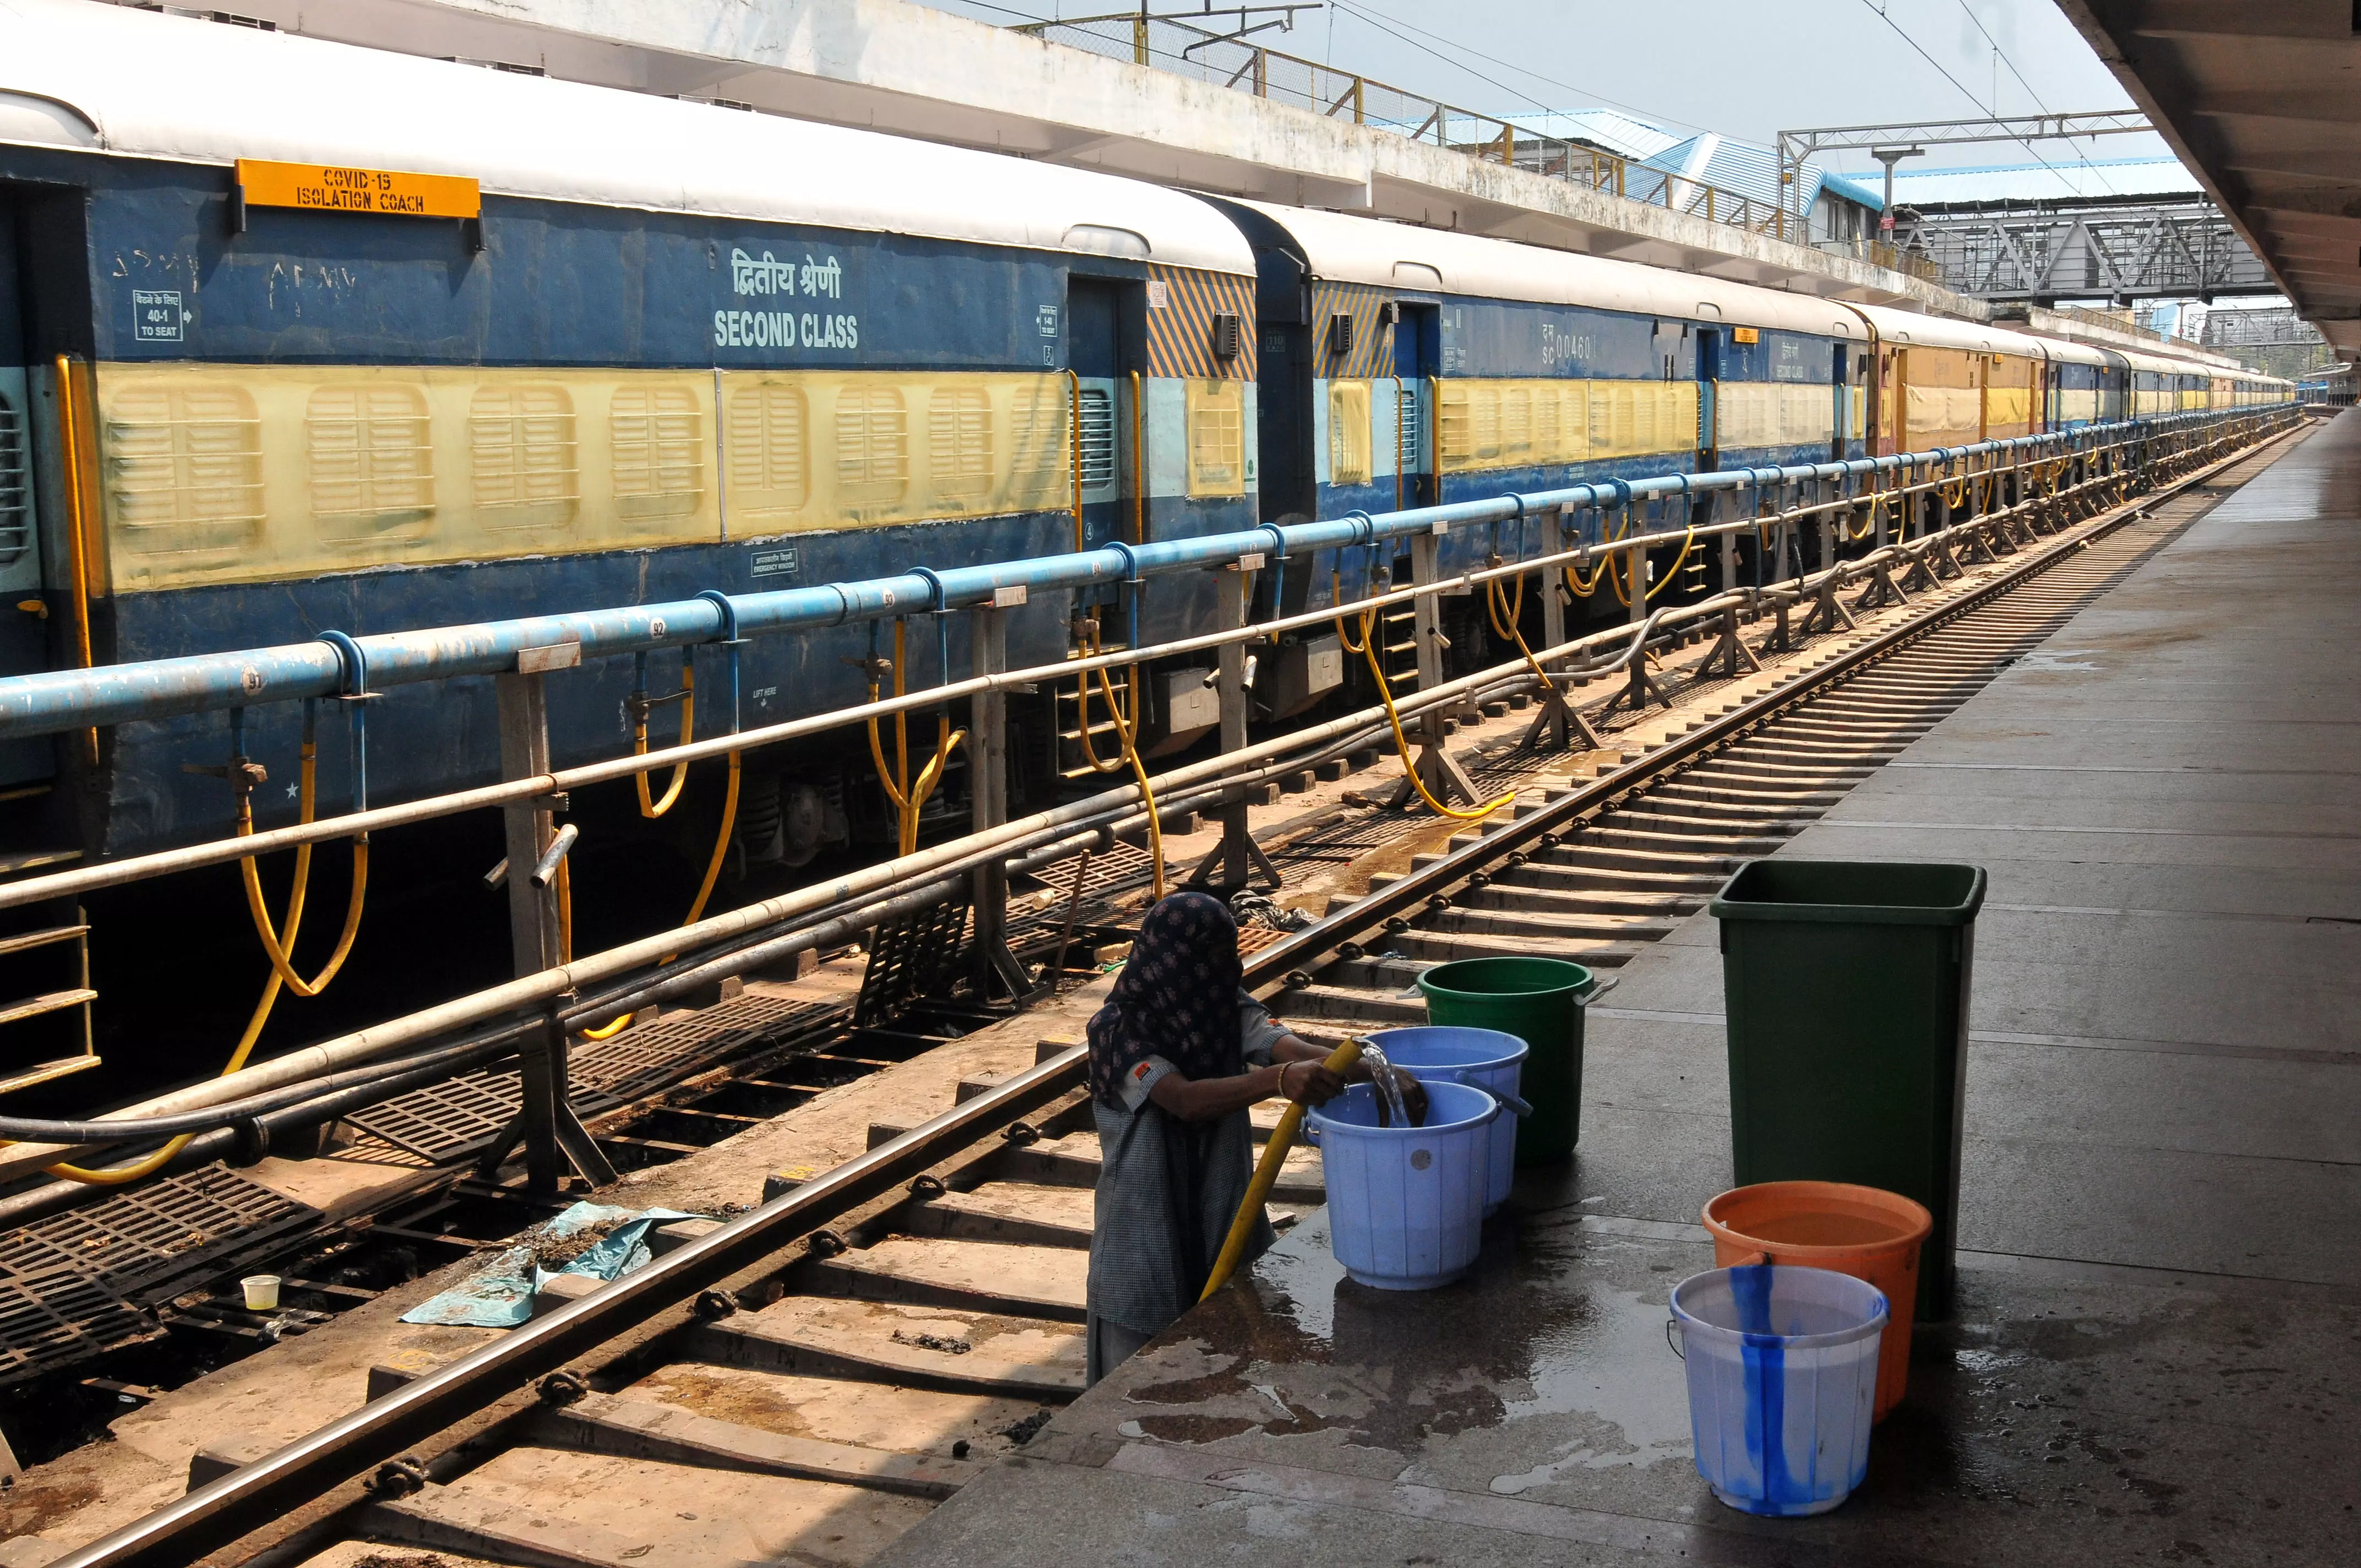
1539,1001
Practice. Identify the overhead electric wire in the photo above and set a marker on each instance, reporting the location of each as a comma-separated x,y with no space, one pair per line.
1385,24
1878,7
2002,56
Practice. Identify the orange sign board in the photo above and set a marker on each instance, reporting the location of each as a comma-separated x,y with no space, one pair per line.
1746,334
336,188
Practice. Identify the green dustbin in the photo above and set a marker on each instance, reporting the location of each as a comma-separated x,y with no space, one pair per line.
1540,1001
1846,988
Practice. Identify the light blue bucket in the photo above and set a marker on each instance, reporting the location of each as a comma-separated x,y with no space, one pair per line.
1783,1382
1489,1059
1406,1204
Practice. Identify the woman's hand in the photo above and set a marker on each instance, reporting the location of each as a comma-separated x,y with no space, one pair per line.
1309,1082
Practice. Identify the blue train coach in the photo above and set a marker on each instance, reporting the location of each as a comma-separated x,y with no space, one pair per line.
359,341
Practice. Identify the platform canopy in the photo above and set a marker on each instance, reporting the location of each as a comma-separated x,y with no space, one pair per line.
2258,98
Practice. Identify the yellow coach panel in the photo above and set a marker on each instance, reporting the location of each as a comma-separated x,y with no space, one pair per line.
235,473
1548,422
244,473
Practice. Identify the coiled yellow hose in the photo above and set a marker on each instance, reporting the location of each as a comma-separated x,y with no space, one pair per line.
687,700
277,945
1125,733
1402,742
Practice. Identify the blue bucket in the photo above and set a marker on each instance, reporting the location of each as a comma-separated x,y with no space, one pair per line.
1783,1382
1406,1204
1488,1059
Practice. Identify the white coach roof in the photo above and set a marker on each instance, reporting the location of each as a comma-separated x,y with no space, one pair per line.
1941,331
1340,248
120,81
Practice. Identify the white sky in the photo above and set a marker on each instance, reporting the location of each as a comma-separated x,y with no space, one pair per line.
1747,67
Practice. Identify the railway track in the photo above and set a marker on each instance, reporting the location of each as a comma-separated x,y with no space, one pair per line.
803,1382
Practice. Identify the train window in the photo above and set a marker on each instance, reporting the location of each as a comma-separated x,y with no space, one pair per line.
1572,421
1467,425
15,515
1098,437
371,460
184,467
1548,443
1410,441
1040,460
1350,437
1216,439
1516,437
521,452
873,447
1610,418
656,441
959,442
768,438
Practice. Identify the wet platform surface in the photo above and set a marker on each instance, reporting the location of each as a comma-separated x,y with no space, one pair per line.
2155,1354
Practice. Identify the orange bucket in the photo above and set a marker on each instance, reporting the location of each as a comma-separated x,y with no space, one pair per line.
1861,1231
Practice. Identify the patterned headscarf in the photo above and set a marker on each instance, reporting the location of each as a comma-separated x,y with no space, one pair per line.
1176,998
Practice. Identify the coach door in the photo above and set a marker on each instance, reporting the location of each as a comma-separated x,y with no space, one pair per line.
24,634
1708,378
1102,403
1418,347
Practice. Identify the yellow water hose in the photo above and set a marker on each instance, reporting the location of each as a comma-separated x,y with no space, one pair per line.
148,1165
1083,704
1496,600
908,799
1340,1060
652,808
282,975
947,741
1125,733
1576,586
1868,520
279,950
1688,543
1402,742
720,850
1336,598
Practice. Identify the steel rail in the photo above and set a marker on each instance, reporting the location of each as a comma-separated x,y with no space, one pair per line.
255,1494
1421,884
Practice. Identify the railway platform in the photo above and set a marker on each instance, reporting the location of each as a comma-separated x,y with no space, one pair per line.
2157,1345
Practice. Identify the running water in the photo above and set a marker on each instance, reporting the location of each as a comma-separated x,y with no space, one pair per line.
1389,1095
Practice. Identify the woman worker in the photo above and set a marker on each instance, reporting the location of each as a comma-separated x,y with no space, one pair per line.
1177,1056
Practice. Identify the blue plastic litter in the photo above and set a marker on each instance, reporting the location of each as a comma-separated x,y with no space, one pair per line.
499,1295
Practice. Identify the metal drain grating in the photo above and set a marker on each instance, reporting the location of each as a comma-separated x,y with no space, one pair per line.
1111,871
1253,939
447,1121
444,1120
47,1319
641,1061
1352,836
910,960
141,1242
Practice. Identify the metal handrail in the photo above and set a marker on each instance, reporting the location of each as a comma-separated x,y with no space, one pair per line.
1331,93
